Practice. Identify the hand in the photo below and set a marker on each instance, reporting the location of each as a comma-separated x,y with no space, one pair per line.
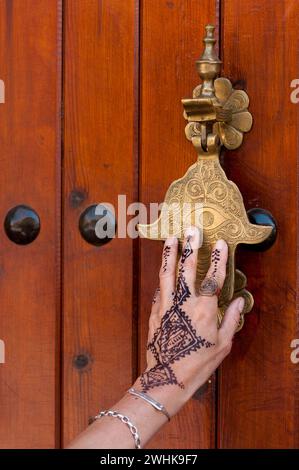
185,345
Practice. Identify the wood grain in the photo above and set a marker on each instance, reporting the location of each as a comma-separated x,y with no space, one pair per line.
171,41
98,165
30,35
257,389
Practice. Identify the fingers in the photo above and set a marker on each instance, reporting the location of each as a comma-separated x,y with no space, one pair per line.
230,321
188,260
168,270
215,277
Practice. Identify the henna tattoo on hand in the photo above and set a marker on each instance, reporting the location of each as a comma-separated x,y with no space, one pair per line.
160,374
187,251
209,285
175,338
166,253
215,257
182,291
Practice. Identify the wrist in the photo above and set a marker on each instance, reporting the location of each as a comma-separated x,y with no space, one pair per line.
172,397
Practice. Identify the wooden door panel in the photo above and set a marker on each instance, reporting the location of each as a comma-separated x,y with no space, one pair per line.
257,387
171,41
100,41
30,58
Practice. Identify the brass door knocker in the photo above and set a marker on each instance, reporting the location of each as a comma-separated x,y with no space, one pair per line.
217,116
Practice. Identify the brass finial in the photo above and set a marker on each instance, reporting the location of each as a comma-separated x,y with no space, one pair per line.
209,64
216,113
209,54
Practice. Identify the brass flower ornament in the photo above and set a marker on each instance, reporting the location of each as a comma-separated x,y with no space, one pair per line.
216,103
217,116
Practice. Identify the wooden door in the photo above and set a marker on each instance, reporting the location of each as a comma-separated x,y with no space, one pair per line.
93,110
30,286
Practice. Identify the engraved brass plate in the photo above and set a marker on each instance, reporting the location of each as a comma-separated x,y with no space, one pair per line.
217,115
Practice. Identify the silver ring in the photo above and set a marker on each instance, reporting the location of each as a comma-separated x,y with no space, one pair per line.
209,287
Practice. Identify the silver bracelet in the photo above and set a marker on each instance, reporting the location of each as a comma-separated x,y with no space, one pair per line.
125,420
158,406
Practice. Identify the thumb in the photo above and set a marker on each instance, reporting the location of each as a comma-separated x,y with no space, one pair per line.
231,320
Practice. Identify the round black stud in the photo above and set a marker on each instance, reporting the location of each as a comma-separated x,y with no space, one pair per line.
97,225
22,225
260,216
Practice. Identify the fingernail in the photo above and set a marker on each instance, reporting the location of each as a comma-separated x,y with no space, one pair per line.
241,303
220,244
190,232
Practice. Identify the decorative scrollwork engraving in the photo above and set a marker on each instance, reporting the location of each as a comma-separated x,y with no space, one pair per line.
217,114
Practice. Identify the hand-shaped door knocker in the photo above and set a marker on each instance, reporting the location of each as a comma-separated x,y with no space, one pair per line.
217,115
